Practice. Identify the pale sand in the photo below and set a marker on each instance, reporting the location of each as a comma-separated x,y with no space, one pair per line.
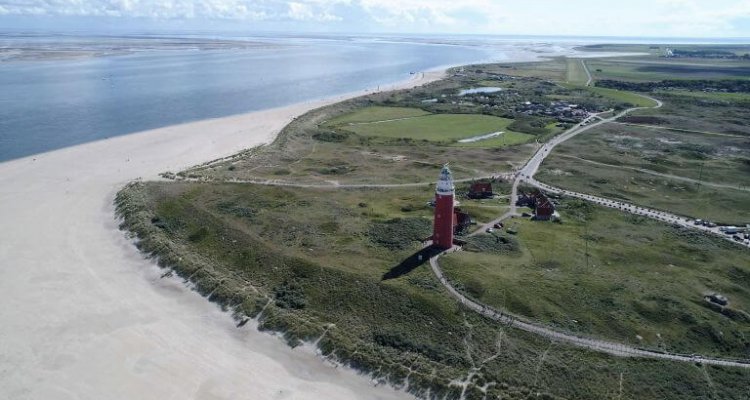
84,316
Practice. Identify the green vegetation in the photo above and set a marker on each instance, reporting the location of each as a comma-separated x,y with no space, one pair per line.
507,138
377,113
705,85
644,70
658,163
613,275
576,74
303,262
721,205
715,96
400,233
439,128
625,99
555,69
343,266
691,62
492,244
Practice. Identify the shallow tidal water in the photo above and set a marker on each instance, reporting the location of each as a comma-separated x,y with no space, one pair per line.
50,102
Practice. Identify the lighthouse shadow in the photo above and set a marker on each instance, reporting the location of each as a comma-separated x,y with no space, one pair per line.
411,263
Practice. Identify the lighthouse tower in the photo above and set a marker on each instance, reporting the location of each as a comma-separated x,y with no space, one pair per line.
442,233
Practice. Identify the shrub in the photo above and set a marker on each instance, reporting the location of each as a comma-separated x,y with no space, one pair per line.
399,233
330,136
289,295
486,243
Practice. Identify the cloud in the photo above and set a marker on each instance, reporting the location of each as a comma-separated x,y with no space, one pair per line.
174,9
541,17
307,12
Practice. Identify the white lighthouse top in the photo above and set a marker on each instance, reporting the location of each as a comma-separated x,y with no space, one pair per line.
445,183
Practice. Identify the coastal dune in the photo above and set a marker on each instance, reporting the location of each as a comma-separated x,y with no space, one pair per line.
83,315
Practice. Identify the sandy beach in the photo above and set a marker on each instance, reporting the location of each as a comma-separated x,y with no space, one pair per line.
84,316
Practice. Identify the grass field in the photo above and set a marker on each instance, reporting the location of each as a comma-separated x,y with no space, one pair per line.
508,138
616,276
624,97
654,69
377,113
576,74
697,113
653,50
439,128
725,206
716,96
657,50
314,150
710,158
621,151
555,69
618,96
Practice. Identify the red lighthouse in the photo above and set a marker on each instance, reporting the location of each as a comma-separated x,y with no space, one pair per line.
442,233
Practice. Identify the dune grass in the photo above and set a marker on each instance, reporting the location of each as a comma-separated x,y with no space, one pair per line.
308,264
616,276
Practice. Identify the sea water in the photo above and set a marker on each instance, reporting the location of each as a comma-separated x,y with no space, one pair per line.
49,102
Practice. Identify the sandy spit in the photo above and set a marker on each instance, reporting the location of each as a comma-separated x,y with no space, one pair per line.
84,316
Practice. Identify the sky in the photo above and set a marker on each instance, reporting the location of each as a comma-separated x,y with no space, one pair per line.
636,18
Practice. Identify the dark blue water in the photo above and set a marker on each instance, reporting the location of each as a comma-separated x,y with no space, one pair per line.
46,105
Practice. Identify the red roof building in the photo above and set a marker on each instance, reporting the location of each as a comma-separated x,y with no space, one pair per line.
480,190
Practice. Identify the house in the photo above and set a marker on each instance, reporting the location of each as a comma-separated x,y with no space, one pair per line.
543,207
480,190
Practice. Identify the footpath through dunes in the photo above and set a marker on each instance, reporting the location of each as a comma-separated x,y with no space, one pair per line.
603,346
85,316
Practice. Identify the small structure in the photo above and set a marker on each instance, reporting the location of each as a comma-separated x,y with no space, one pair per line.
543,207
461,221
480,190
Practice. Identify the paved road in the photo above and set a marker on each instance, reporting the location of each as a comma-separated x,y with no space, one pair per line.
658,215
613,348
526,174
532,166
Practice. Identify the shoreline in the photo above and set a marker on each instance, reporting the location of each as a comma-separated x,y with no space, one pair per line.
287,112
80,320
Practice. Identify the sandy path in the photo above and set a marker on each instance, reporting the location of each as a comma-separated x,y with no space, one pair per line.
84,316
